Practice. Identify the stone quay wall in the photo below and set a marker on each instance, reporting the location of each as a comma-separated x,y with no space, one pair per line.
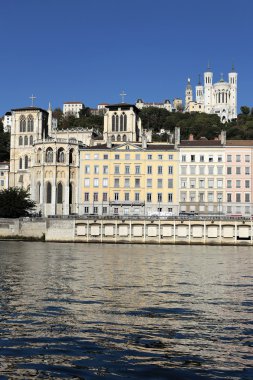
232,232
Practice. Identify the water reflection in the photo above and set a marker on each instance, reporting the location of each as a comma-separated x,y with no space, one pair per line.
125,311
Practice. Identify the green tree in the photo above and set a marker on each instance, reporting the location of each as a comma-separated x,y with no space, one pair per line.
245,110
15,202
4,144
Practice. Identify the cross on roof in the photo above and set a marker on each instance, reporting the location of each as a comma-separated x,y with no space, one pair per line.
123,94
32,98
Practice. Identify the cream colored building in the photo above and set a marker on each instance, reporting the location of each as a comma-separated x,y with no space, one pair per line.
166,104
72,108
4,175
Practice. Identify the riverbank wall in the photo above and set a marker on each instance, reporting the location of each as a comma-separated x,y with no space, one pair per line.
173,231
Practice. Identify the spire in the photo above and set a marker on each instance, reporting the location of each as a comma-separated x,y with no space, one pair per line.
233,68
189,87
208,67
49,106
199,83
221,77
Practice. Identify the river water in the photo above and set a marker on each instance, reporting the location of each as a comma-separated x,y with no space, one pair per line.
90,311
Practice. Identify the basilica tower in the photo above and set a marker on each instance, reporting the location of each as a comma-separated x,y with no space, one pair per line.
188,93
232,79
208,87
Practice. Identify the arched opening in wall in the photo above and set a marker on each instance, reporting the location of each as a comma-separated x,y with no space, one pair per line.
26,162
71,156
22,124
118,138
117,123
38,192
49,155
48,192
20,140
20,163
114,121
124,138
30,123
39,156
60,155
59,192
113,138
25,140
31,140
125,121
121,123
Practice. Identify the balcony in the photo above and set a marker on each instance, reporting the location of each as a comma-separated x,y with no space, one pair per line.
126,203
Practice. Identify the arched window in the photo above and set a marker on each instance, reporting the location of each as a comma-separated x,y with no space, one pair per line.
22,124
117,123
38,192
71,156
48,192
25,140
121,123
60,155
59,193
31,140
70,194
113,138
30,123
124,138
39,156
118,138
20,140
20,163
49,155
113,121
26,162
125,121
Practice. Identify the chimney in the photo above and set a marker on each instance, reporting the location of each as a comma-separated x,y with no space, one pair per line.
177,136
223,138
191,137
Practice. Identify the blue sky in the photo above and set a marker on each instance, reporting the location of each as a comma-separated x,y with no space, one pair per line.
89,51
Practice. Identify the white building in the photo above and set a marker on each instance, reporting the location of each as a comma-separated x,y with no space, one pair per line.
7,121
218,98
166,104
72,108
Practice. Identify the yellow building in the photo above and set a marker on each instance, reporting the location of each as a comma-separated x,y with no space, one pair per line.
129,179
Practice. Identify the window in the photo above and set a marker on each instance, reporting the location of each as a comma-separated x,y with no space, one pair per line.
95,210
149,156
105,182
238,158
137,197
116,169
247,184
87,156
22,124
229,197
202,197
183,182
170,157
149,182
31,140
127,169
202,170
229,183
238,184
202,158
183,158
127,196
116,211
149,169
26,162
220,183
87,169
116,157
183,196
247,158
127,182
219,158
210,197
170,197
96,156
247,197
137,156
192,169
192,157
192,196
116,182
105,156
104,197
183,170
48,193
137,182
160,183
105,169
170,183
160,170
86,210
229,158
238,170
210,158
192,183
160,156
86,182
20,163
96,169
20,140
86,197
159,197
210,170
247,170
219,170
137,169
95,197
201,183
127,156
95,182
116,196
238,197
170,169
149,197
229,170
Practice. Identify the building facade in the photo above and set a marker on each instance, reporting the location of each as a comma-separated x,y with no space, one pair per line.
4,175
72,108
